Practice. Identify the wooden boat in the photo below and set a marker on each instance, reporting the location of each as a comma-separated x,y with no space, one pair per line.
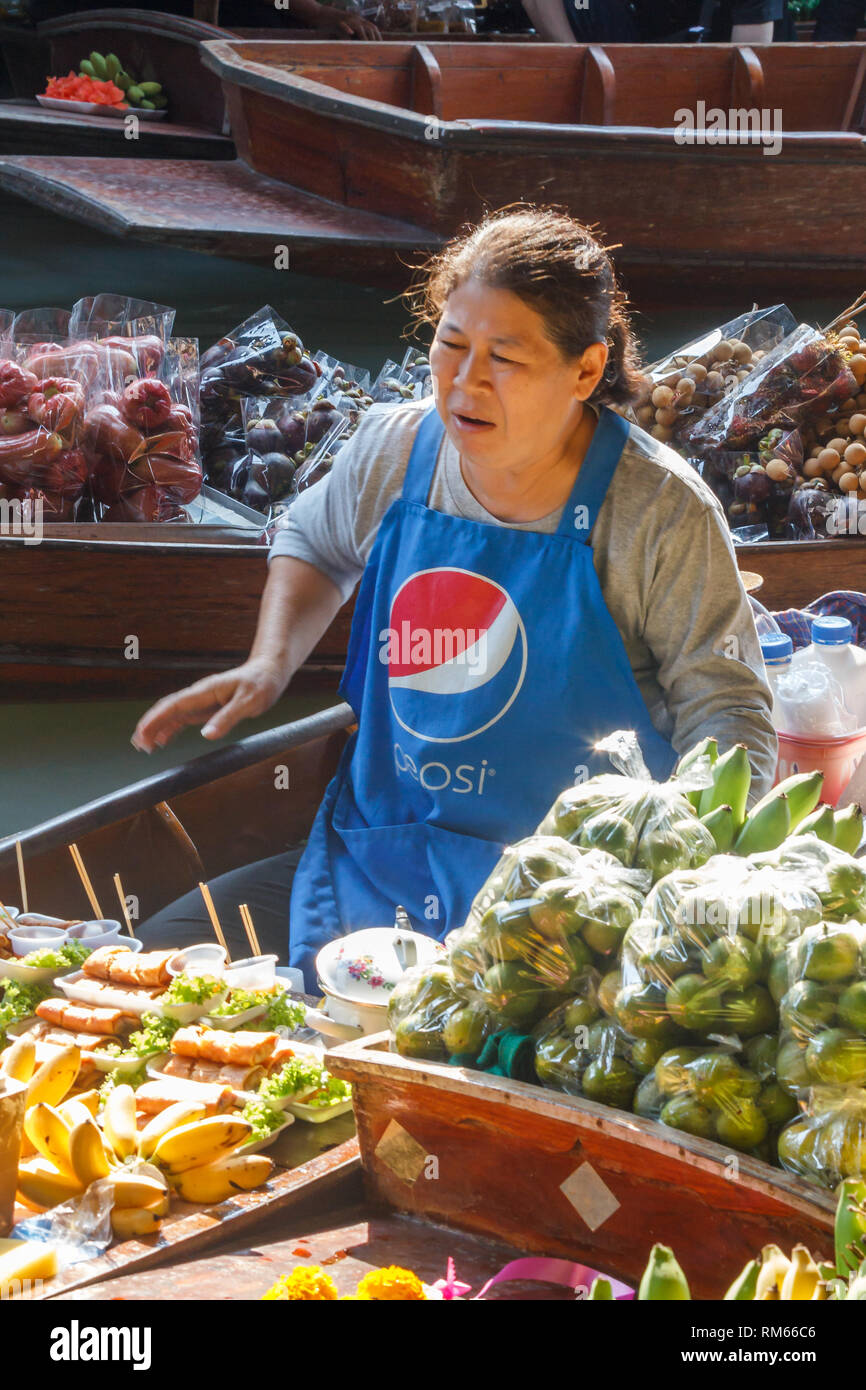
581,1181
191,596
332,135
163,44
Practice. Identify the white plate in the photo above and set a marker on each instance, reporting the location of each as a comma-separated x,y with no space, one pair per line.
232,1021
97,108
259,1144
79,988
317,1114
187,1013
13,969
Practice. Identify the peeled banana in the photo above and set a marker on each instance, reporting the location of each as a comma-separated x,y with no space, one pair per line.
215,1182
25,1259
204,1141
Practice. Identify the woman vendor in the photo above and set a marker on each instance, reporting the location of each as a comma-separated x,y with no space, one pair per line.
535,572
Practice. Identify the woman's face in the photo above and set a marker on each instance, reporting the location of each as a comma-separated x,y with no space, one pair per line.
506,395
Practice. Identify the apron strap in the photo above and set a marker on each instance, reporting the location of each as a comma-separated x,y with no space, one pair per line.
590,488
422,460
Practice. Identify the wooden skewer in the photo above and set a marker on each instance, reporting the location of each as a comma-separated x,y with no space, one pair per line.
215,921
122,896
21,879
85,880
846,313
250,930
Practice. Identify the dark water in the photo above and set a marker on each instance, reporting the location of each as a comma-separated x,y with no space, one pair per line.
56,756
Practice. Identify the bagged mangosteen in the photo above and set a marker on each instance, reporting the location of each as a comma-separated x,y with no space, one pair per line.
281,435
683,386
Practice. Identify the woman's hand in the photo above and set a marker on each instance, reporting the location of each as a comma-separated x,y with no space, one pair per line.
221,701
352,25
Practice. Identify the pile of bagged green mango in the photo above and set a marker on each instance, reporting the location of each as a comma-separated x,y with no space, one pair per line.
669,953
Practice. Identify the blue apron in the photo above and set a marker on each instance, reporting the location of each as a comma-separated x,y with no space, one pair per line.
483,665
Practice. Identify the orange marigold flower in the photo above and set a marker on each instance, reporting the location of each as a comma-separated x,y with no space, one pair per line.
306,1283
391,1284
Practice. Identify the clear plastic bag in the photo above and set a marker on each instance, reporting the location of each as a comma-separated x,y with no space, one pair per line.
580,1051
394,385
698,963
43,393
798,382
137,325
645,824
683,386
827,1142
811,701
725,1093
837,878
431,1016
261,357
280,436
547,915
140,437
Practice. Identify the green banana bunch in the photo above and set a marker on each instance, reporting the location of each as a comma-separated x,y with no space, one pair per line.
722,827
850,1226
601,1291
732,778
663,1280
848,828
821,823
803,791
707,748
744,1286
765,827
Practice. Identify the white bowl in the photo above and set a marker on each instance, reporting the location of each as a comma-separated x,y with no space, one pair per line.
100,933
207,958
256,972
35,938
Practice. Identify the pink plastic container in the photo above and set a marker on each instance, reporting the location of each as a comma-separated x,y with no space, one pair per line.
837,758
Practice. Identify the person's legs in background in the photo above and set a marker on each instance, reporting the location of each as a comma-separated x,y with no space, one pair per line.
266,887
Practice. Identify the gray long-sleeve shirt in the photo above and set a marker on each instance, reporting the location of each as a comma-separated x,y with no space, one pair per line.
661,549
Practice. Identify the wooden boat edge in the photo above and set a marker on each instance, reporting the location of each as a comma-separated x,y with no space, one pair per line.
347,1060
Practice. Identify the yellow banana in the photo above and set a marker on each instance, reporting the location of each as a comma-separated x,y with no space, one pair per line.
49,1133
87,1152
25,1259
19,1059
216,1182
73,1112
40,1186
52,1081
183,1112
118,1121
772,1274
133,1190
194,1145
90,1101
802,1277
128,1223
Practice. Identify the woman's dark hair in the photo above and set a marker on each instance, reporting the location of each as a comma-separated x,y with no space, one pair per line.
556,266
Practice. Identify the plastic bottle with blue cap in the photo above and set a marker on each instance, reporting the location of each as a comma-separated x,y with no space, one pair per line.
777,650
833,646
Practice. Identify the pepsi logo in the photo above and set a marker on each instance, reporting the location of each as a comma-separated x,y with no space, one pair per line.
456,654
